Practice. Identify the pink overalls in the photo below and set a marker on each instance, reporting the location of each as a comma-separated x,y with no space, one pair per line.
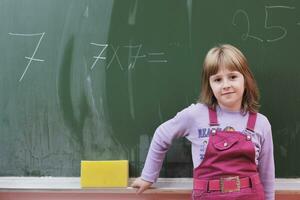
228,170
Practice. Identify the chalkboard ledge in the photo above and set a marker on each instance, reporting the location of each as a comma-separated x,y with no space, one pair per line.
163,185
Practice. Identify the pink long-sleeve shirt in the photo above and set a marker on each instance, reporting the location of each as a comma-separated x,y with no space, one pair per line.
193,124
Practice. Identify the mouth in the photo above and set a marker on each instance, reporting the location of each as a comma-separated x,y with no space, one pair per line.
226,93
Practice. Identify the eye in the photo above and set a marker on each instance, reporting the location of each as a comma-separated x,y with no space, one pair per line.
233,77
217,80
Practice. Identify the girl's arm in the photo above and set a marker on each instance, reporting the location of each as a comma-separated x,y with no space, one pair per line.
266,163
161,141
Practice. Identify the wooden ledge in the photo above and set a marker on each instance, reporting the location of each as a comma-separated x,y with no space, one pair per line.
163,185
53,188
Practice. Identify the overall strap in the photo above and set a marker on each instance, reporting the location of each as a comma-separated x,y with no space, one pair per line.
213,119
251,121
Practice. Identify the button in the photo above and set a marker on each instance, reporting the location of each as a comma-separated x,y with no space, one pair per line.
213,131
225,144
248,137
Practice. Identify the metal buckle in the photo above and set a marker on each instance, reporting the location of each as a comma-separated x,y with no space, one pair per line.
237,182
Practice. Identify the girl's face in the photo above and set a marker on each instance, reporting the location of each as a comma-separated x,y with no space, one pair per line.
228,88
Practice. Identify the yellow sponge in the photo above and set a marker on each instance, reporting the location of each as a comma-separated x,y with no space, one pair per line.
109,173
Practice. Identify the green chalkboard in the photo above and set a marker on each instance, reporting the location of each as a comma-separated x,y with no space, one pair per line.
92,79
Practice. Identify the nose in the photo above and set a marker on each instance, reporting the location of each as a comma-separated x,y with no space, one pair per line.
226,84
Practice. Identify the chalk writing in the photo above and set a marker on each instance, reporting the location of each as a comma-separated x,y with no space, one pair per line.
134,57
160,116
99,56
35,50
134,52
130,94
156,54
86,12
267,24
246,35
115,55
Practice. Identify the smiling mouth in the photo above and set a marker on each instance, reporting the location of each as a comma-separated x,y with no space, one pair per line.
227,93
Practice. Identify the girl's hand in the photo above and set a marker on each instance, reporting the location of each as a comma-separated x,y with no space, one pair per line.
141,184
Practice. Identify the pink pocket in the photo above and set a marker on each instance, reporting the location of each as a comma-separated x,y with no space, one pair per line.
223,143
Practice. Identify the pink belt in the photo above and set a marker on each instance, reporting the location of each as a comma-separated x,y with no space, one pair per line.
226,184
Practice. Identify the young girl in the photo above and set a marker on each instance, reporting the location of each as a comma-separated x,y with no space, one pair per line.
232,146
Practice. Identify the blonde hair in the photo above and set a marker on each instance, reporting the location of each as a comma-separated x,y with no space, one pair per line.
231,58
